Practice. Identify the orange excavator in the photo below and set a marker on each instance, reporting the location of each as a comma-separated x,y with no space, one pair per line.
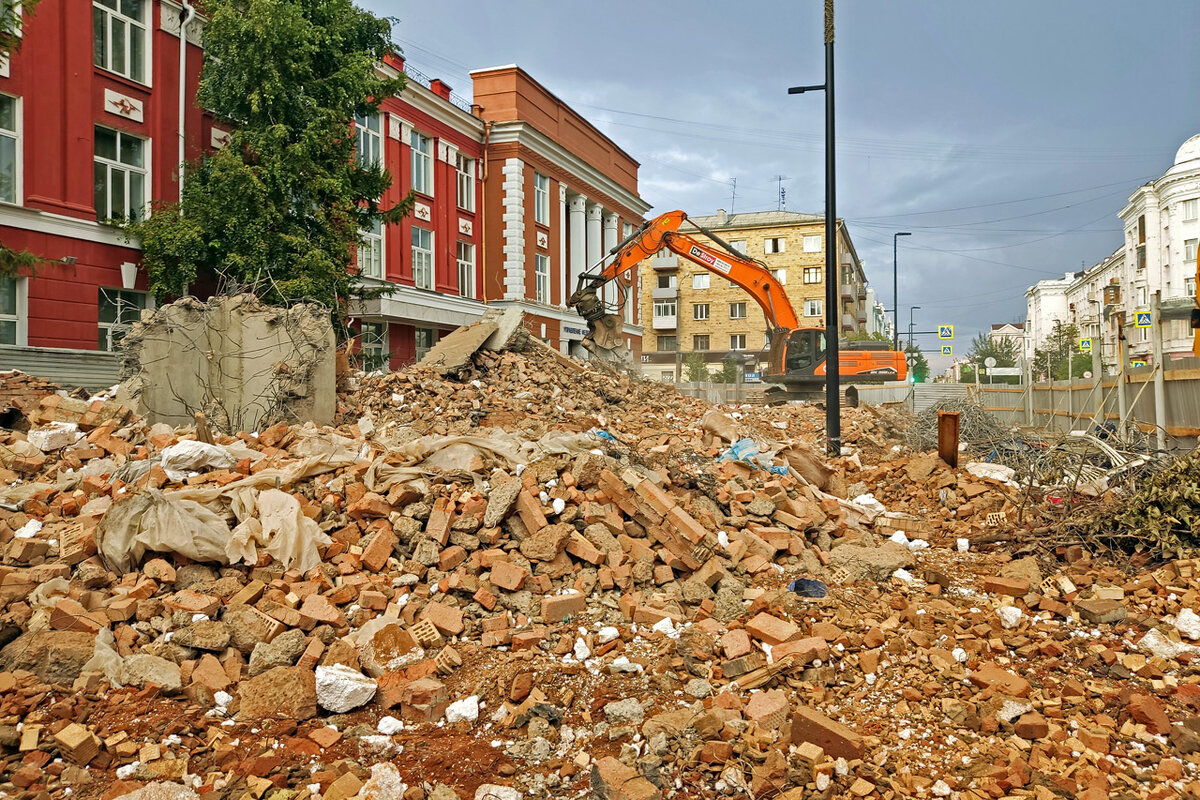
795,354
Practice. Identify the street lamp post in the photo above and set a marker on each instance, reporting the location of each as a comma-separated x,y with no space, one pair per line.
911,309
833,421
896,294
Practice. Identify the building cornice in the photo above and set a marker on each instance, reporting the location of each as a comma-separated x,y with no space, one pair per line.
30,219
442,110
525,135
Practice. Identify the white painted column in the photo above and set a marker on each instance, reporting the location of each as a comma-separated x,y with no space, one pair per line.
513,220
565,281
576,208
610,241
594,242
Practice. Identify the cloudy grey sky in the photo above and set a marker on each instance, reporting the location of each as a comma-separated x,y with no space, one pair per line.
1004,136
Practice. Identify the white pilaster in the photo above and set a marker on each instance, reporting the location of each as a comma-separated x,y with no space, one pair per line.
514,228
565,281
578,252
610,241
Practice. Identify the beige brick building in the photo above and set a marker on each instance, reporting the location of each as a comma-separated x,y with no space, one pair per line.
689,309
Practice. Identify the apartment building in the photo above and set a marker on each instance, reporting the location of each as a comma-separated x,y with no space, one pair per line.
693,310
1013,332
559,195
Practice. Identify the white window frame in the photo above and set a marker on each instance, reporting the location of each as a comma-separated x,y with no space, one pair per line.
465,255
737,341
812,243
464,168
700,281
107,329
774,245
667,376
101,8
371,251
700,311
737,310
780,275
129,171
422,258
672,281
541,278
812,308
739,245
18,159
1189,252
1189,288
1190,210
814,275
20,315
420,333
671,337
369,144
541,199
373,344
422,163
661,307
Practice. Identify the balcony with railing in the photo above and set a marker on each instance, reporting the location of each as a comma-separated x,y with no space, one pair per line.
669,293
665,322
437,86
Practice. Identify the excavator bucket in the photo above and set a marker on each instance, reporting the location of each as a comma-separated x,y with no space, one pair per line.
606,342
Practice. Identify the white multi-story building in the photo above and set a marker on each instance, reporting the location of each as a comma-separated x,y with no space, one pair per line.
877,319
1045,304
1013,332
1162,229
1094,305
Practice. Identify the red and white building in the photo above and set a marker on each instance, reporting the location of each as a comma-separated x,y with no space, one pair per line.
515,194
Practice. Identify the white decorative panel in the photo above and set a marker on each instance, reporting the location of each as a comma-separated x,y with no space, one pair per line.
219,138
123,106
465,227
543,241
393,126
421,211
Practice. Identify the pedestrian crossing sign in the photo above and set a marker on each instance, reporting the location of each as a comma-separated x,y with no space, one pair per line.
1085,345
1137,362
1142,319
947,349
945,331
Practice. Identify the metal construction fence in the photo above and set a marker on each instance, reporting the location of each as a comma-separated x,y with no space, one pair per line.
1167,407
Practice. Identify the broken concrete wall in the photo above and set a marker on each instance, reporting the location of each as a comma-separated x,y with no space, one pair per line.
244,364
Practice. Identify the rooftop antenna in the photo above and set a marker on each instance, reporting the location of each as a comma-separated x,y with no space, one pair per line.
779,179
733,193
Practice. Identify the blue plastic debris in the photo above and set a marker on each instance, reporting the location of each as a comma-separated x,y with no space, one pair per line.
808,587
605,435
741,450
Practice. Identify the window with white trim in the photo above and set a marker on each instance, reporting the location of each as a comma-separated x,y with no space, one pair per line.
812,244
667,376
541,278
9,313
425,339
422,257
700,341
737,310
370,250
666,281
774,245
541,199
665,308
465,170
466,270
373,346
700,311
1189,252
120,175
119,37
422,163
668,344
10,151
118,309
369,147
1191,209
739,246
700,280
812,308
780,275
737,341
1189,288
813,274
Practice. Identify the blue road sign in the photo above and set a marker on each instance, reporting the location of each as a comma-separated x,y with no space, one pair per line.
1142,319
945,331
947,349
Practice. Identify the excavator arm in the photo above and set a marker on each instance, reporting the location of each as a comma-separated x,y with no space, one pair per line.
604,339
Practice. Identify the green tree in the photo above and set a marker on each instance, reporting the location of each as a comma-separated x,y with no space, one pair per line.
729,372
278,210
1061,344
983,347
15,262
696,366
865,336
920,369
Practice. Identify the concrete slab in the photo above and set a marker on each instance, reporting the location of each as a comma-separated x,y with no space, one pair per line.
507,321
454,351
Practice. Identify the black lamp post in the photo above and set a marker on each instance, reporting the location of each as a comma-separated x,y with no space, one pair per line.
896,294
833,421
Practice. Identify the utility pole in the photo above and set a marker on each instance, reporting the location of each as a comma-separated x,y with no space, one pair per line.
896,294
1160,390
833,420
